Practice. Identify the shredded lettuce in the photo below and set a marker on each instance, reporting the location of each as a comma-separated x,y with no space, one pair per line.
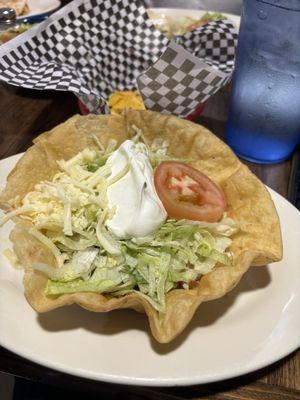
106,240
77,285
80,266
176,255
157,150
69,215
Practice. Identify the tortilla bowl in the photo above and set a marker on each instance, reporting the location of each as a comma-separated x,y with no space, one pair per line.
257,243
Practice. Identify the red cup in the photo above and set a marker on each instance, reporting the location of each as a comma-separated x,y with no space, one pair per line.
197,112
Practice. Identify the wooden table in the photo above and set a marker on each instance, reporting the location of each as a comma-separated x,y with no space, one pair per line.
24,115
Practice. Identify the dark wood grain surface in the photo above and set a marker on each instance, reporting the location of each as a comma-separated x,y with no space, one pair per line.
24,115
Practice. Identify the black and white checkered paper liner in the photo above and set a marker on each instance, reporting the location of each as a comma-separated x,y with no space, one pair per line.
214,43
95,47
178,81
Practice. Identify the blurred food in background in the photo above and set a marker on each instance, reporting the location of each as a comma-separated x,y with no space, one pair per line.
171,26
223,6
20,6
13,31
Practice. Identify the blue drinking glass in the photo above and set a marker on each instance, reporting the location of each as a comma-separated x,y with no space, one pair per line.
264,114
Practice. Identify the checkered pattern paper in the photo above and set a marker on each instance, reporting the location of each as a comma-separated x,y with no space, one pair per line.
214,43
95,47
90,47
178,82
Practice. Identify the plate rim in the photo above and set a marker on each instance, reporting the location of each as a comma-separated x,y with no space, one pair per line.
155,382
37,16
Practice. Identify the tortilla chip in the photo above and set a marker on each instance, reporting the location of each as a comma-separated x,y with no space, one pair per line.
20,6
26,9
258,242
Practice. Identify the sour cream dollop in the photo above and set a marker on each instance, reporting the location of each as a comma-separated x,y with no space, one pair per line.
139,211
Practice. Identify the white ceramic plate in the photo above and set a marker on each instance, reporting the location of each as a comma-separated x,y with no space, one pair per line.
40,7
253,326
178,13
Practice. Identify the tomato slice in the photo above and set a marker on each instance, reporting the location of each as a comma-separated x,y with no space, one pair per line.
186,193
